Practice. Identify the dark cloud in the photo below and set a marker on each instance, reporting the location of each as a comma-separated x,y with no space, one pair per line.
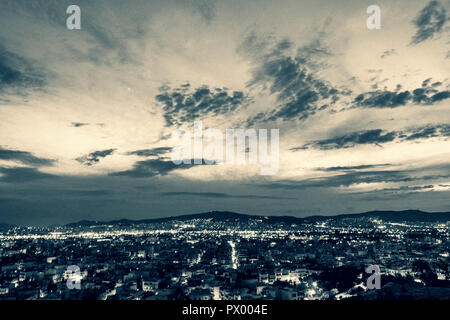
94,157
352,168
25,158
377,137
423,133
427,94
300,92
223,195
429,21
394,193
383,99
440,96
341,180
427,175
150,152
349,140
22,174
79,124
153,167
408,188
355,177
18,75
388,53
185,105
291,78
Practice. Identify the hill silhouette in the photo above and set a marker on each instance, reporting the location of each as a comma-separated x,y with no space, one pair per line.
226,216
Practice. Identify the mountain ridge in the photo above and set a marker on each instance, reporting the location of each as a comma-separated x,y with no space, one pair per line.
226,216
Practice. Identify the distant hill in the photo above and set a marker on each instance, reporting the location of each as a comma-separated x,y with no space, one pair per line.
225,216
402,216
5,226
216,216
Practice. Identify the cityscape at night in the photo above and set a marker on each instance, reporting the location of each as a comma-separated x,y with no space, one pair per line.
227,256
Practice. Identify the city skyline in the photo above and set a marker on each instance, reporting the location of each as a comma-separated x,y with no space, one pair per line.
224,256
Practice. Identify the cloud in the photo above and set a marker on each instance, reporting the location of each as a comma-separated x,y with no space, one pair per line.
349,140
388,53
353,178
223,195
394,193
291,78
429,21
79,124
423,133
22,174
94,157
429,174
426,132
18,75
341,180
382,99
25,158
88,193
352,168
425,95
150,152
106,30
185,105
377,137
408,188
153,167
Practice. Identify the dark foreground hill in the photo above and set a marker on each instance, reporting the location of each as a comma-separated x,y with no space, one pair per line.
225,216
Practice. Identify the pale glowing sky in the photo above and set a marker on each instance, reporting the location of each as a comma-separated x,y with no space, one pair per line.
86,115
